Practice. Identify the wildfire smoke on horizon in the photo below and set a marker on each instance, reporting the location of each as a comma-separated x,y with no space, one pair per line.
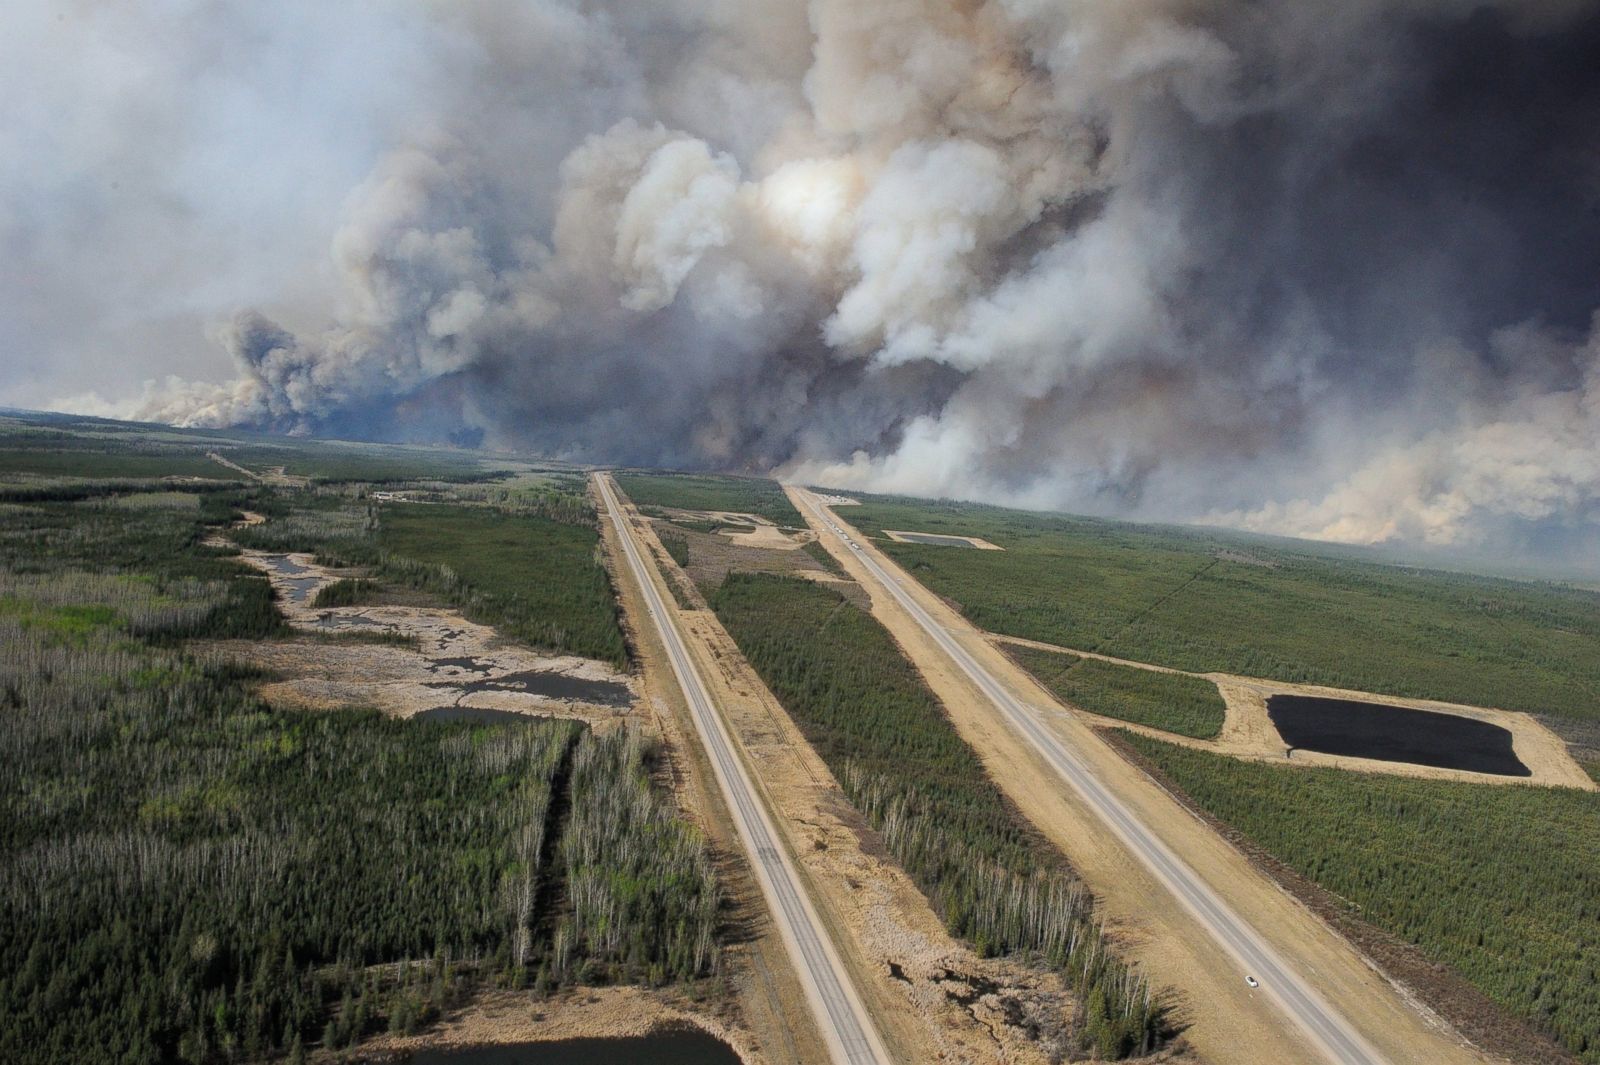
1328,271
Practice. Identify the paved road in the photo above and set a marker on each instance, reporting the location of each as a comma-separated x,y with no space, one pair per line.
1339,1041
852,1039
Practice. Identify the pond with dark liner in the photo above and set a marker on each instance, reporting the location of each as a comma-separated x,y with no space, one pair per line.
1394,734
687,1046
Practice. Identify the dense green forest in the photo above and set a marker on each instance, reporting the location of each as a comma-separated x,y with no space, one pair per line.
736,495
1501,883
901,762
1176,702
1208,602
187,873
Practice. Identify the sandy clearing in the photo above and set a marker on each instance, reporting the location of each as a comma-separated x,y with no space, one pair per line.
768,536
1227,1021
887,924
1248,732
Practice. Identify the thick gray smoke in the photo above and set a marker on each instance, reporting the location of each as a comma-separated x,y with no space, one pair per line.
1323,269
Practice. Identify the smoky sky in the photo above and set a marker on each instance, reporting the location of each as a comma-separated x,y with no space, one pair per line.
1329,271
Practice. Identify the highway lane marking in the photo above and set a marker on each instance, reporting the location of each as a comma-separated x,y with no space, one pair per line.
1339,1041
849,1032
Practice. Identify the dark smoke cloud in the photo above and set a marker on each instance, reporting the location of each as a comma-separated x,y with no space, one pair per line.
1327,270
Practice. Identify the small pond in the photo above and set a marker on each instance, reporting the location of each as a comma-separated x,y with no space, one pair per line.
688,1046
297,587
1394,734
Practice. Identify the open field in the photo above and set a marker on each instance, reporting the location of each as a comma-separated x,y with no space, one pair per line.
1204,601
1499,883
717,494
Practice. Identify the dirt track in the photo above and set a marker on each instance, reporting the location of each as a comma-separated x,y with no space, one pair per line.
1228,1021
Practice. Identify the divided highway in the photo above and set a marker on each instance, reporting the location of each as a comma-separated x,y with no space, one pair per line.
852,1039
1338,1040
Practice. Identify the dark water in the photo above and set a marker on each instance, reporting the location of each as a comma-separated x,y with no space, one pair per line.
296,587
684,1047
1394,734
936,540
550,685
467,663
476,715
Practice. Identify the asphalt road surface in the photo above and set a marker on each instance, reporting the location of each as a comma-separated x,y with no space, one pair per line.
1326,1029
852,1039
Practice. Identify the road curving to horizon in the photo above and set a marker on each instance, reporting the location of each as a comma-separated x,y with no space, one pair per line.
1331,1033
849,1031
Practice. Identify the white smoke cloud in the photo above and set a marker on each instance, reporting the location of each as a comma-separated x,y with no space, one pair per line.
1180,259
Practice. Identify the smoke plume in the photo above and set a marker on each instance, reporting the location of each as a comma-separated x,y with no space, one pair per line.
1326,270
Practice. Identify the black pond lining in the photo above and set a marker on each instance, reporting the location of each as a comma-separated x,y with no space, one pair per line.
1394,734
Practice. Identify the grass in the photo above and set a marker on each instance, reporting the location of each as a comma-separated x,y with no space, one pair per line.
992,880
737,495
1500,883
1204,602
1175,702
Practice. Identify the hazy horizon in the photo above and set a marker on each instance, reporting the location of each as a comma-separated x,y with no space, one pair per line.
1324,274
